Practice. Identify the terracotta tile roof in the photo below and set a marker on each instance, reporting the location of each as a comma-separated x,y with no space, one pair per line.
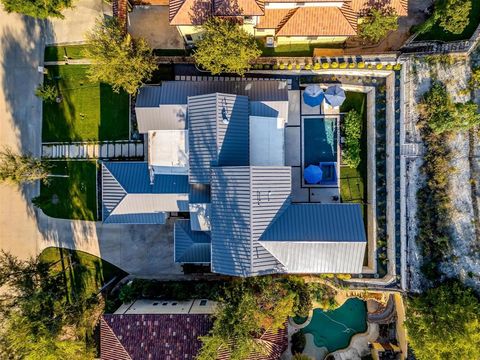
320,21
170,337
238,7
400,6
272,18
189,12
149,337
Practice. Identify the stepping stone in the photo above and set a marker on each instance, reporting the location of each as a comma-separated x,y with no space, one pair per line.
125,150
74,152
118,150
111,151
103,150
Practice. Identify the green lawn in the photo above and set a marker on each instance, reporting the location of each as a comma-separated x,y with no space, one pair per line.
294,49
353,182
438,33
84,274
72,197
57,53
89,111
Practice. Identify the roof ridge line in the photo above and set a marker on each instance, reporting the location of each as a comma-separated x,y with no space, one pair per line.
350,15
250,168
285,19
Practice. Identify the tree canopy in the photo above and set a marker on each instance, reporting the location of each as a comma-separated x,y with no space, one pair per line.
377,21
225,47
443,115
19,169
453,15
41,9
444,323
118,59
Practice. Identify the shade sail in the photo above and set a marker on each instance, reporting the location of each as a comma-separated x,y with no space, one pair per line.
335,95
313,174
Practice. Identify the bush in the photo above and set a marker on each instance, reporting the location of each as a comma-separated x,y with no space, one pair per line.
370,66
352,126
352,65
389,67
298,342
361,65
298,67
289,66
343,65
47,93
308,66
317,66
334,65
453,15
282,66
266,66
377,21
275,67
397,67
379,66
325,65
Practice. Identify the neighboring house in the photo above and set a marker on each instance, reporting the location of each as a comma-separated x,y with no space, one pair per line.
234,183
169,330
279,21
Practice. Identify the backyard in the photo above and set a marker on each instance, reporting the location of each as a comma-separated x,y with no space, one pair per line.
438,33
88,111
353,181
73,195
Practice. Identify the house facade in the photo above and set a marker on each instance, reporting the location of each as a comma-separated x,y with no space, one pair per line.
278,21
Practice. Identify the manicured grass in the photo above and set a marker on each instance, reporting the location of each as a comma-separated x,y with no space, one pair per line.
294,49
72,197
438,33
58,53
84,274
88,111
353,182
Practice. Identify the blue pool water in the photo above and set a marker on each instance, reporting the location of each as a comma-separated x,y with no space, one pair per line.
320,140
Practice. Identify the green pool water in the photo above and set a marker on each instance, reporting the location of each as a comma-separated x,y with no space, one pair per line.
334,329
320,140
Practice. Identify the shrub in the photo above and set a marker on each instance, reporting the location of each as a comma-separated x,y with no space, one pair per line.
389,66
351,65
298,67
325,65
298,342
453,15
379,66
275,67
317,66
352,126
377,21
308,66
289,66
267,66
282,66
370,66
47,93
343,65
334,65
397,67
361,65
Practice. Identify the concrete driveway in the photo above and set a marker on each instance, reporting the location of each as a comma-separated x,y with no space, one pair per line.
151,23
24,230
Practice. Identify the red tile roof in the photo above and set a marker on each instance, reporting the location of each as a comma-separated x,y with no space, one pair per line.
400,6
238,7
152,337
169,337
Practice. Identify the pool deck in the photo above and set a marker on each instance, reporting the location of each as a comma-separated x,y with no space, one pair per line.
294,148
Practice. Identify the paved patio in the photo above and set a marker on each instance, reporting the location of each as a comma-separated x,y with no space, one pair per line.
151,23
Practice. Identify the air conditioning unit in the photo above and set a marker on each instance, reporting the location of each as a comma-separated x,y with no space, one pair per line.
270,42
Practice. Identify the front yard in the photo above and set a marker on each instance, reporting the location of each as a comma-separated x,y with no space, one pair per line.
88,112
73,196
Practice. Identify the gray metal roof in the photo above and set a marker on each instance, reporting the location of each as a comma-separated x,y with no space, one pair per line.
199,194
148,96
318,238
245,200
276,109
166,117
218,133
177,92
190,246
318,222
129,197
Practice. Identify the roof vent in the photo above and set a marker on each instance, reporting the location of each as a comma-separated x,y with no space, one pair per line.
225,118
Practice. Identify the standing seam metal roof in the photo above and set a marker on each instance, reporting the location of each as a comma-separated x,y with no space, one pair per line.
190,246
212,141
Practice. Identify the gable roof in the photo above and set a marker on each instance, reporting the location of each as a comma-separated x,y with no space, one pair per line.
129,197
319,21
238,7
190,246
245,200
145,337
189,12
218,133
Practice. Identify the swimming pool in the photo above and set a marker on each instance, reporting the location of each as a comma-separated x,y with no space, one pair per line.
320,140
334,329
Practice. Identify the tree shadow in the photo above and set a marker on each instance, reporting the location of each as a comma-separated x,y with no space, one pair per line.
200,11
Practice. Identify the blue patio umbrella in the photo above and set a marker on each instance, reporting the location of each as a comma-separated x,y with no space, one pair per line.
335,95
313,95
312,174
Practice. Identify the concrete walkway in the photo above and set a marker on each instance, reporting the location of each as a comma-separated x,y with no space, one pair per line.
100,150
